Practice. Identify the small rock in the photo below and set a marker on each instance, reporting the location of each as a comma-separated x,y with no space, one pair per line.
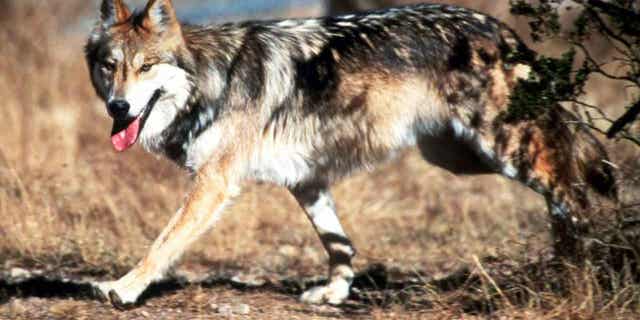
19,274
191,276
241,309
144,314
227,310
326,310
248,280
224,310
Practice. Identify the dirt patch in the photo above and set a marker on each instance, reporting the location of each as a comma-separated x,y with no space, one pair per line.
488,287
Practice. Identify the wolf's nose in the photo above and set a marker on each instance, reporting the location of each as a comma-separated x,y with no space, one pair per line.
118,109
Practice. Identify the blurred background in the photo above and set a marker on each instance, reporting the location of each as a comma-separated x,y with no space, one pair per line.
68,202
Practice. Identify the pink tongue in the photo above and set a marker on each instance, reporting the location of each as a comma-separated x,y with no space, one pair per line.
126,138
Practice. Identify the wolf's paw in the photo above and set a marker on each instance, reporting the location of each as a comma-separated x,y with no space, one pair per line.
100,290
334,293
111,292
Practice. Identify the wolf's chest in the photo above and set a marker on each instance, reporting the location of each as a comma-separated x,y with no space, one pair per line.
284,165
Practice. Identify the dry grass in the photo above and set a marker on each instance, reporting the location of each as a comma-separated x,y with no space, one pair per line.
67,200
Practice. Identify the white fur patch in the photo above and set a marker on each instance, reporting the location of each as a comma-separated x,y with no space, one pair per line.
279,79
138,60
283,165
214,83
346,24
117,54
176,86
510,171
322,214
480,17
160,118
202,148
522,71
167,77
299,25
461,131
310,36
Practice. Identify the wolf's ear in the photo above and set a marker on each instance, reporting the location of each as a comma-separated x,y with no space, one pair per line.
160,16
114,11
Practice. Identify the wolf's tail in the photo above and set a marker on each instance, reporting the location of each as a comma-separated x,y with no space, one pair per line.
593,165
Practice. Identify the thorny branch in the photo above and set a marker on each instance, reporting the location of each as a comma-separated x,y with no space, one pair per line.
618,23
628,117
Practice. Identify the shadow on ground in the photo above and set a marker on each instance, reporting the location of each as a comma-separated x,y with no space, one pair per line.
479,289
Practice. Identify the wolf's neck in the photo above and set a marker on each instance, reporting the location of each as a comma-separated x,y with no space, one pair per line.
207,58
188,125
212,51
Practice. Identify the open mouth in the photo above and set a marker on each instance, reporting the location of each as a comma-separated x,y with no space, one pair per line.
125,132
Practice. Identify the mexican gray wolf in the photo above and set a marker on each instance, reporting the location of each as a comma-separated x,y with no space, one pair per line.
304,102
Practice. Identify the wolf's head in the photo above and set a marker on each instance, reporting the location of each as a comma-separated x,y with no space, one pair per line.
136,62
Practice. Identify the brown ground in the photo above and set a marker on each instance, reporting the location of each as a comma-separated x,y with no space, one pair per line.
434,246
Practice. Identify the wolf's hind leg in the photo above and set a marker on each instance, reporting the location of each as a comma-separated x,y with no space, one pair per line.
565,164
319,206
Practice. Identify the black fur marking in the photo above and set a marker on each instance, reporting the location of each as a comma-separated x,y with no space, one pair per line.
460,58
319,79
487,58
338,257
95,52
247,73
125,70
137,20
476,120
187,127
108,12
523,160
336,238
453,98
165,15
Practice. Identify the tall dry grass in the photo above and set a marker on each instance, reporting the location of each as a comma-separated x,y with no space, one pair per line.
67,200
62,192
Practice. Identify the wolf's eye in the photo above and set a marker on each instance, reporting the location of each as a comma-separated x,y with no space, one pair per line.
146,67
108,67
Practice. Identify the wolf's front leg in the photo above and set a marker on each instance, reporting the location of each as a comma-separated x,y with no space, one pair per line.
318,204
202,209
